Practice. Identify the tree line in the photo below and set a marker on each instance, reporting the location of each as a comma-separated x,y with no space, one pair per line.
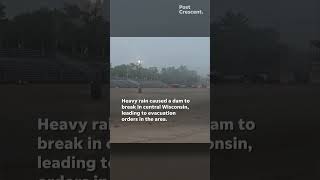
239,47
170,75
242,48
74,31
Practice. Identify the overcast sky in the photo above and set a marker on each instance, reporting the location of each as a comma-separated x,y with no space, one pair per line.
194,52
298,21
15,7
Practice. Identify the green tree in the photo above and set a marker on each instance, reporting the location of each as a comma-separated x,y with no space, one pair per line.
35,30
240,48
171,75
2,11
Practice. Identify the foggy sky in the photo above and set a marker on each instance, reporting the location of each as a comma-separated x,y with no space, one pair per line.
162,52
15,7
298,21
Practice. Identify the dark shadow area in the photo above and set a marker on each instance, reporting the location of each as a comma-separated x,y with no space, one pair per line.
160,161
54,63
67,44
265,68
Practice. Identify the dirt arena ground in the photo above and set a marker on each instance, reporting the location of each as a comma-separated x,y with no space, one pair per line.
22,105
188,126
286,139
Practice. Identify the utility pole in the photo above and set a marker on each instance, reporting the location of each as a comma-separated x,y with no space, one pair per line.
139,76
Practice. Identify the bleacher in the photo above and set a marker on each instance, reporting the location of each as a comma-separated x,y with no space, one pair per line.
27,65
128,83
29,53
153,84
38,70
315,72
117,83
315,64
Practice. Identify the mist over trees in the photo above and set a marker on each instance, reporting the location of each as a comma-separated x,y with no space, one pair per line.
169,75
2,12
240,48
74,31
